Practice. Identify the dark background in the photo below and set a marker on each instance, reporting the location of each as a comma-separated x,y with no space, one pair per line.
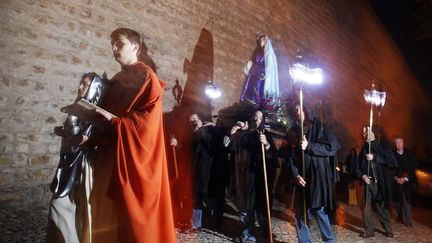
409,22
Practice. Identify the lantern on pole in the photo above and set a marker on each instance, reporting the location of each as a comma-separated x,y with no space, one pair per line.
301,75
375,99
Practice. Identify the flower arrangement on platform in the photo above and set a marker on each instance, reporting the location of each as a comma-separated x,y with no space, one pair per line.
274,109
282,118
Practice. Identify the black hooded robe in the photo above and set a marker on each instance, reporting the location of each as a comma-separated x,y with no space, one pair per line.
320,171
382,167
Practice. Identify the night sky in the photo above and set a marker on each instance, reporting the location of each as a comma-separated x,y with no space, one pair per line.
409,22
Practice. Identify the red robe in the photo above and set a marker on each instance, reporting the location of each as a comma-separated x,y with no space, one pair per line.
131,197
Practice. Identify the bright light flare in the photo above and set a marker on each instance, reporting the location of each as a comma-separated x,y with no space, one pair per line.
375,98
212,91
303,74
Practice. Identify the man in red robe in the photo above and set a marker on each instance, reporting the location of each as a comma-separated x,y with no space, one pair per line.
130,200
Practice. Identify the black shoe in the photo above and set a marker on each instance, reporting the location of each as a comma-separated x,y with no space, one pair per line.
368,234
388,234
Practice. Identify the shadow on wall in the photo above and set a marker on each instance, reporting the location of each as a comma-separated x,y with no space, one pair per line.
145,58
348,139
199,71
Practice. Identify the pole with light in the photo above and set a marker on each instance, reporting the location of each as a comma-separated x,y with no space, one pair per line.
374,98
212,93
301,75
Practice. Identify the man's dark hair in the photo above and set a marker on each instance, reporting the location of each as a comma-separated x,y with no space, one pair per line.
90,75
262,124
252,113
130,34
378,131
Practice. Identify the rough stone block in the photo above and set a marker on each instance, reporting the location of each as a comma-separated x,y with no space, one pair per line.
4,160
6,137
51,120
28,137
19,159
39,160
38,69
7,148
3,101
22,148
23,83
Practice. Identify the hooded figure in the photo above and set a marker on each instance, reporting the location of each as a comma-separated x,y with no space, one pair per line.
250,141
320,168
382,167
319,145
376,170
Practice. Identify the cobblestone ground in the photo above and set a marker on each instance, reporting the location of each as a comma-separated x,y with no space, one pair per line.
29,225
23,225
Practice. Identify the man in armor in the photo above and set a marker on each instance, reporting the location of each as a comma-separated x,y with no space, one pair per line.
66,220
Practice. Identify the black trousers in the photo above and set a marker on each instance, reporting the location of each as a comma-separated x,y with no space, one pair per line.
372,196
403,204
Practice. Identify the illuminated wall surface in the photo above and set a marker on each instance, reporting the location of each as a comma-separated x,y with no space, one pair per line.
47,45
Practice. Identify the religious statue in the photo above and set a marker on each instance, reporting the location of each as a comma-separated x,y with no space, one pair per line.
261,71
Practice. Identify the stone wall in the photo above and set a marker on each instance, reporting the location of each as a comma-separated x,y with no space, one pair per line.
46,45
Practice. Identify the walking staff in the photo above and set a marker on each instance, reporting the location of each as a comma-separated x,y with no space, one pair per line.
266,190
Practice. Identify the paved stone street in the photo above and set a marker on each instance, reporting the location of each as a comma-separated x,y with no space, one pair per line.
28,225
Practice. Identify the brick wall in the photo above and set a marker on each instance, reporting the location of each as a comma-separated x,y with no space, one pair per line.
47,45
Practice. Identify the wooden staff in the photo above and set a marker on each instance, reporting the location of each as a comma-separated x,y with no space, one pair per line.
266,192
175,159
176,173
88,183
369,134
293,198
302,155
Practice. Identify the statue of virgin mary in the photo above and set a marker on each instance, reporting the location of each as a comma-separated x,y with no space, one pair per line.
261,71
